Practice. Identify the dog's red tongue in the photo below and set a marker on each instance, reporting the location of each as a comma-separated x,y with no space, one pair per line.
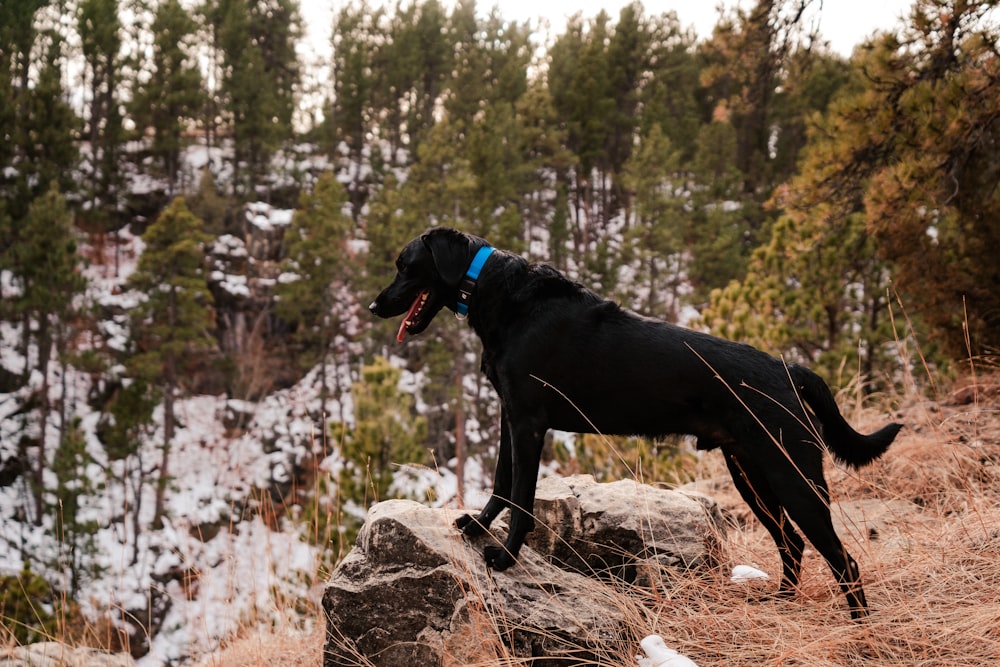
414,309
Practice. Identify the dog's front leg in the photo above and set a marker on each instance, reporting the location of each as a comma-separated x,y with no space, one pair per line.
473,526
526,448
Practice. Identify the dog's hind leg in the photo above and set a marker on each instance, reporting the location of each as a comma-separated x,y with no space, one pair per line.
473,526
797,482
812,515
756,491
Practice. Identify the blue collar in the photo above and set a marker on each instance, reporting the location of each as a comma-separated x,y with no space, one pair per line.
468,283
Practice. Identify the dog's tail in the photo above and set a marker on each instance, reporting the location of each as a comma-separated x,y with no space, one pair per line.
847,445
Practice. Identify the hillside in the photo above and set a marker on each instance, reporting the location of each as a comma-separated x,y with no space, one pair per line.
240,564
196,408
929,561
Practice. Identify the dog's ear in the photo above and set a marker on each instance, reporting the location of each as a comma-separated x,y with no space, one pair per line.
451,251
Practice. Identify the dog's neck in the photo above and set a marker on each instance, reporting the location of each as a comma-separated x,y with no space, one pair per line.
467,286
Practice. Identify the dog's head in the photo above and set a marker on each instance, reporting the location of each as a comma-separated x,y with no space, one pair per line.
428,273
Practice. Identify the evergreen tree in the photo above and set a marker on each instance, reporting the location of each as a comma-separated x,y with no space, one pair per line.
44,262
927,134
25,599
653,242
172,96
581,94
99,27
412,68
670,95
385,434
627,61
17,36
390,225
260,74
719,232
209,205
126,424
171,327
74,532
815,290
317,256
42,131
351,113
747,58
814,293
901,168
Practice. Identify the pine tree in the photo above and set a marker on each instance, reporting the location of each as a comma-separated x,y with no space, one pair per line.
42,145
44,262
901,169
747,59
385,434
126,424
320,264
353,76
99,27
209,205
74,532
719,230
926,132
670,96
414,63
628,63
583,99
654,240
171,327
260,74
172,96
25,599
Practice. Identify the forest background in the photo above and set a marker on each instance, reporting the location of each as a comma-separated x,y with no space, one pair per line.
751,183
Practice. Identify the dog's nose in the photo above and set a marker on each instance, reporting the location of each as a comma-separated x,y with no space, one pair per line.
372,306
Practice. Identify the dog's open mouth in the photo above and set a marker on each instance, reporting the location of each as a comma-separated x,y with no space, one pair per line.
413,316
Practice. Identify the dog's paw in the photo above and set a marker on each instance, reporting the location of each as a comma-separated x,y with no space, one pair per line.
498,558
470,526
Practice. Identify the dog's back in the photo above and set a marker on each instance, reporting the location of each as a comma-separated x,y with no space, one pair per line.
561,357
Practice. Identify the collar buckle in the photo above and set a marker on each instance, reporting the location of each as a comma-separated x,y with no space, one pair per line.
464,297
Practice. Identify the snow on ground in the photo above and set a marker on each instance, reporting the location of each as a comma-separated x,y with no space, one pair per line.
220,561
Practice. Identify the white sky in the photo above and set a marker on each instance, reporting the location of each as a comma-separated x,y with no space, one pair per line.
845,23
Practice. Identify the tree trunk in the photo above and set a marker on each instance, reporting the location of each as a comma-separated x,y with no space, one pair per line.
44,353
459,443
164,476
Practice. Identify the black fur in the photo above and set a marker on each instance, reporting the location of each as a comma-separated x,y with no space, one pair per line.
561,357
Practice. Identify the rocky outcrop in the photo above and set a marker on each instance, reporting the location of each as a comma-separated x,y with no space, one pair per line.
413,591
610,529
54,654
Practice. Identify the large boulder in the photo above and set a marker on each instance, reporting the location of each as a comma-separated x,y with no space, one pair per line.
611,529
413,591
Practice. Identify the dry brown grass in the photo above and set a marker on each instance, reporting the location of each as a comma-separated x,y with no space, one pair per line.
929,557
927,539
279,646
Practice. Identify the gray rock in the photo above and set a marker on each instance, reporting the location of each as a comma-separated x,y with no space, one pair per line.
414,591
600,529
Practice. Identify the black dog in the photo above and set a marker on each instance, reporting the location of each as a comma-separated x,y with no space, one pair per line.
562,358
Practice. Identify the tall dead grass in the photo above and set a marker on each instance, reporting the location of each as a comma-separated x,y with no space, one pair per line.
923,523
